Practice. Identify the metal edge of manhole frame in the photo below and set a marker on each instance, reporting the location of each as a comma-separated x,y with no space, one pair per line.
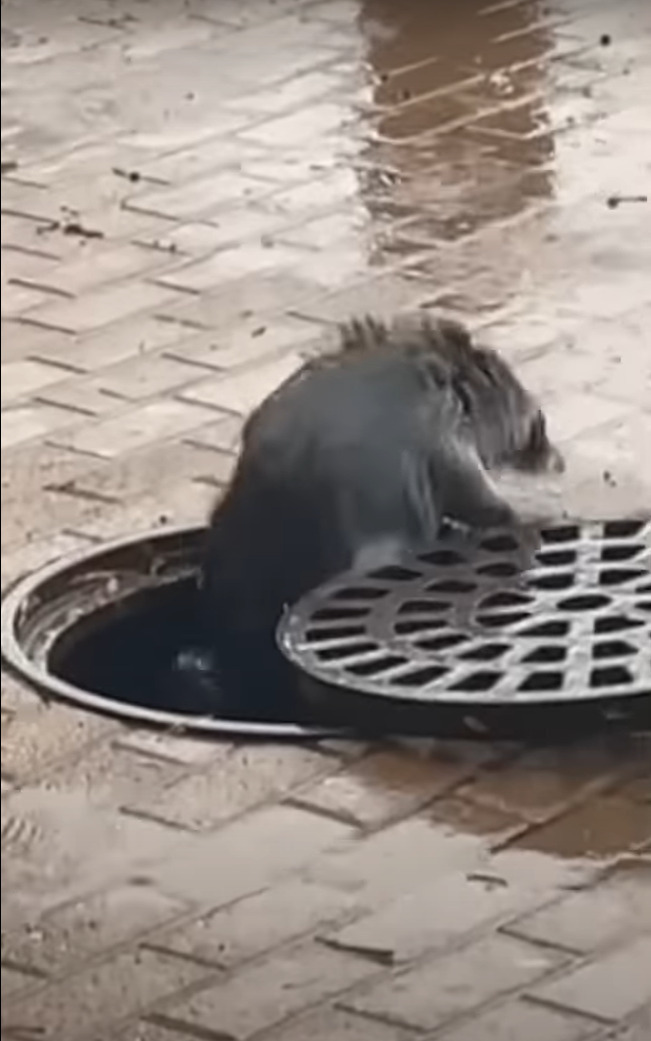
20,665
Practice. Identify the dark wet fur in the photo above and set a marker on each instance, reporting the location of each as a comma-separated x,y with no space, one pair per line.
355,460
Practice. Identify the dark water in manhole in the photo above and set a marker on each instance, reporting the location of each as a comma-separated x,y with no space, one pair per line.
144,651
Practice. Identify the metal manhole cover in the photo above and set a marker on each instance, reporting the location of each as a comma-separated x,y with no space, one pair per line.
494,619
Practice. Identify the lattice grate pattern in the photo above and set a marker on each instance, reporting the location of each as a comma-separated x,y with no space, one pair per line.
562,614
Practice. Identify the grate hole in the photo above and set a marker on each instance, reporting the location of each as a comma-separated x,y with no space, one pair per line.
495,621
626,552
546,654
421,626
644,605
377,665
615,624
394,573
584,602
442,643
452,585
445,557
420,677
333,632
567,533
499,543
502,569
486,652
505,599
359,593
557,580
542,679
556,557
614,576
478,681
339,614
622,529
418,606
348,650
610,676
555,628
613,649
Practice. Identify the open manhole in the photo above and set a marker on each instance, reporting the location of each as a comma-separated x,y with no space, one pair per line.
550,626
104,629
478,627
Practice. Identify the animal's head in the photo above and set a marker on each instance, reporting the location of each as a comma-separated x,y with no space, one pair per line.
508,423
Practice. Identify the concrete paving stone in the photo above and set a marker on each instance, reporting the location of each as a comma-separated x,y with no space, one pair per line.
429,995
83,396
242,390
225,865
233,783
102,994
269,293
383,866
114,343
94,925
431,918
592,918
132,429
114,774
33,468
247,342
383,786
25,422
615,985
258,923
20,340
638,1029
101,306
517,1019
185,504
103,266
222,436
198,198
534,784
382,296
261,995
25,559
230,264
44,735
19,299
331,1024
209,156
14,979
236,225
582,832
143,377
24,378
25,263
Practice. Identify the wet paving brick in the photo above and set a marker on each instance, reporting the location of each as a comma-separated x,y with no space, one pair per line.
172,244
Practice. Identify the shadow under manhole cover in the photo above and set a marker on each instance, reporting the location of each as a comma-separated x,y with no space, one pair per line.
483,634
512,631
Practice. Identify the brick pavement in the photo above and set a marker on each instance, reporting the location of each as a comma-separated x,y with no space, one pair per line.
192,193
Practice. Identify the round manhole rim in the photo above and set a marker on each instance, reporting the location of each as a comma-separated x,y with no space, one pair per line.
18,663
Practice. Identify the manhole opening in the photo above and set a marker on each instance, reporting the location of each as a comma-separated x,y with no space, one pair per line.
563,621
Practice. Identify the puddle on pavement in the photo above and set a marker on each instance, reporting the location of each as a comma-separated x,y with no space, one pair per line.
589,800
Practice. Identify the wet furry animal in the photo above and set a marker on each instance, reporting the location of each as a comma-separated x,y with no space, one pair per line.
354,462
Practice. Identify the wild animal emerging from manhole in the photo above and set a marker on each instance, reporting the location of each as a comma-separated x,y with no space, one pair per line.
352,463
